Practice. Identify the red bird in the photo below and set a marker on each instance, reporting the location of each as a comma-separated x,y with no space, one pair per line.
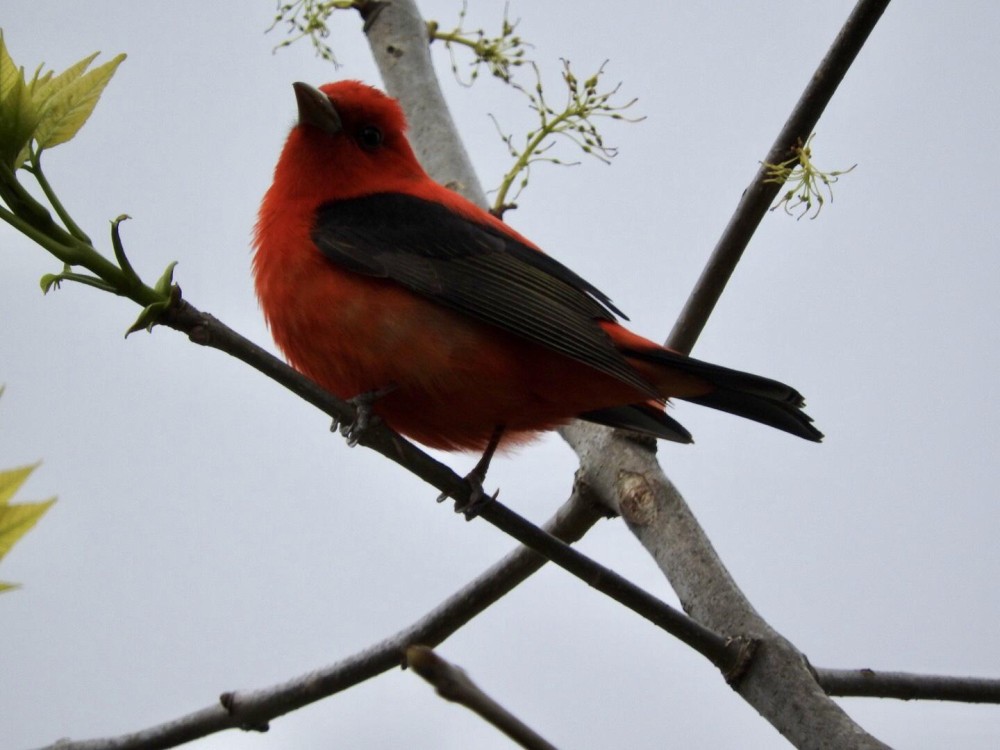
375,279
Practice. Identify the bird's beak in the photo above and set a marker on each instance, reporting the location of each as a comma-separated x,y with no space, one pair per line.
316,109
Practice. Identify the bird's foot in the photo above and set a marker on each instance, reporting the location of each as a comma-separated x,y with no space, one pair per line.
363,417
478,500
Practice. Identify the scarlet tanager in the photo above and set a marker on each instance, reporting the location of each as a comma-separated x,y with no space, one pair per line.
375,279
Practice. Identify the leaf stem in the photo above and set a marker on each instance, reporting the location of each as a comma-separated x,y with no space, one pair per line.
67,255
53,199
123,262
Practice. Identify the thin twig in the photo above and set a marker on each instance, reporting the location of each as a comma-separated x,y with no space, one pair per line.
257,707
908,686
759,196
453,684
206,330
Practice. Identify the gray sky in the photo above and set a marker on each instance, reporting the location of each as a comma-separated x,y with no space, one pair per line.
212,535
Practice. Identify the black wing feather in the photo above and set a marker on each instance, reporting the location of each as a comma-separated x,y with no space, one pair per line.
475,269
749,396
641,418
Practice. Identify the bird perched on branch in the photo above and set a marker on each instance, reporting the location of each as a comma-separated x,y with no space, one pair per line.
384,286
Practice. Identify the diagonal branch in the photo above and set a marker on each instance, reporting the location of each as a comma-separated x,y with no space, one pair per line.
253,709
759,196
453,684
205,330
779,682
398,37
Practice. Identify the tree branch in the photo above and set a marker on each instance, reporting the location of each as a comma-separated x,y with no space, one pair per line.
398,38
759,196
208,331
908,686
779,682
453,684
255,708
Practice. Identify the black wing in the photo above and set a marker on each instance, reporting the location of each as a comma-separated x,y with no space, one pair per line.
475,269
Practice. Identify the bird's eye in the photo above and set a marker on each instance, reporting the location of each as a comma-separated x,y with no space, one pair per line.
370,137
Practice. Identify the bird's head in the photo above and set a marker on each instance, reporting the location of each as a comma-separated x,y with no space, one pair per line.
350,140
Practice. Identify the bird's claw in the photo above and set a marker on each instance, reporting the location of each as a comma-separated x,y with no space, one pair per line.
477,501
352,430
363,415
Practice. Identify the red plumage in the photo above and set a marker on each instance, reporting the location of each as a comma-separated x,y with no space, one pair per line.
373,276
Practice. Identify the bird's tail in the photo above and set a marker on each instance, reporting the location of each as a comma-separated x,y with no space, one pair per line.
750,396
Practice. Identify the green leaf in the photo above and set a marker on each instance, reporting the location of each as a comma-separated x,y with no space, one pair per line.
48,281
166,280
44,87
50,108
148,317
8,70
151,313
40,79
68,106
18,114
16,520
11,480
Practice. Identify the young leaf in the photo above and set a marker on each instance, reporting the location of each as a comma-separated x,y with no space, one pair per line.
67,109
40,78
8,70
16,520
18,120
11,480
18,113
44,87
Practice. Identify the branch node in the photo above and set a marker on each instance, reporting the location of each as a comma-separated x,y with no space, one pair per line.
199,326
636,498
228,701
587,492
369,11
744,648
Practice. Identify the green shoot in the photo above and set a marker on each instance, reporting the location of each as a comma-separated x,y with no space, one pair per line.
38,114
